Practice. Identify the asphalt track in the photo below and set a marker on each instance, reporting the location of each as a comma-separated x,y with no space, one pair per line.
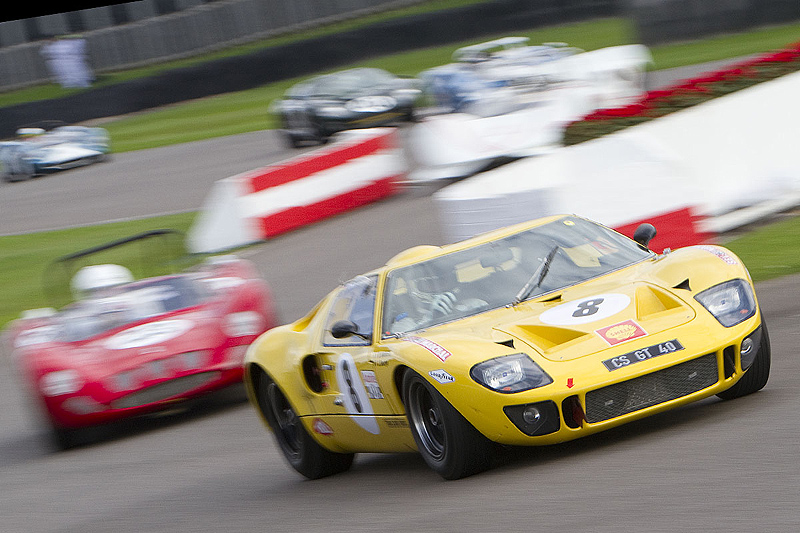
712,466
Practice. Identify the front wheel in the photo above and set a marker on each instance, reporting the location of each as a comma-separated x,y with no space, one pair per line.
449,444
300,449
66,438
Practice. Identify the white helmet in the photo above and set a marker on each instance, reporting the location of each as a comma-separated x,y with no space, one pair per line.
90,279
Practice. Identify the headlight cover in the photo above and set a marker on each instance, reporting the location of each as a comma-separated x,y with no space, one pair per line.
60,382
242,324
510,373
731,302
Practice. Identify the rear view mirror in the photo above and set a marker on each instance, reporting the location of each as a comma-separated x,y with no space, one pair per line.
496,257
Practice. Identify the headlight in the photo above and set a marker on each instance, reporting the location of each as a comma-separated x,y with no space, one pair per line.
60,382
731,302
510,373
242,324
332,111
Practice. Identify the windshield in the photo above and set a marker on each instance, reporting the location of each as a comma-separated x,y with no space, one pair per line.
123,305
347,82
494,274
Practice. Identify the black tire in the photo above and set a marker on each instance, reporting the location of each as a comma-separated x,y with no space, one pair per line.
321,134
13,178
67,438
293,141
755,378
300,449
449,444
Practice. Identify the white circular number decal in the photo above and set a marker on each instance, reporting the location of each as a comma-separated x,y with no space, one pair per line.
356,401
148,334
586,310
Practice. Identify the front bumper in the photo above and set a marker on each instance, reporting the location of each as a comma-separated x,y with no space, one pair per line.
571,407
96,404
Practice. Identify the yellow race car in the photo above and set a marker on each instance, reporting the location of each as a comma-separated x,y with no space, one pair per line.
533,334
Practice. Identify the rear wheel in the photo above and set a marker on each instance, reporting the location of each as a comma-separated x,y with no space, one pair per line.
449,444
757,375
300,449
293,141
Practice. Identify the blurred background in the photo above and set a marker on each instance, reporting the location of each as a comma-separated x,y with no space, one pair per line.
183,88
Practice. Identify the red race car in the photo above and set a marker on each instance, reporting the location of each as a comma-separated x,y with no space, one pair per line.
128,347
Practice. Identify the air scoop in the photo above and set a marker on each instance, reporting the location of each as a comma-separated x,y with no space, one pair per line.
644,311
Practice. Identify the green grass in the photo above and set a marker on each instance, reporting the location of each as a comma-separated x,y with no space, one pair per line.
24,258
726,46
772,251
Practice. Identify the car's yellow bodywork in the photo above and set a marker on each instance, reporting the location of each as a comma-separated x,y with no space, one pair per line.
654,307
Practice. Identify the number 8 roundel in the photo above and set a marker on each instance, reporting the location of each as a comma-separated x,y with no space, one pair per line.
586,310
356,401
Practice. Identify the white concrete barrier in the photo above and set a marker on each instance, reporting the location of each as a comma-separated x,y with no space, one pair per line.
359,167
730,153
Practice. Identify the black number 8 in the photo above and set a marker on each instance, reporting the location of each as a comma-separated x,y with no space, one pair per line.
349,379
587,308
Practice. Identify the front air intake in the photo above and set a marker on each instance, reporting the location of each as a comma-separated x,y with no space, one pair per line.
651,389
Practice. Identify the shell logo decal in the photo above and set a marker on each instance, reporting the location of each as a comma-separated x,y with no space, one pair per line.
622,332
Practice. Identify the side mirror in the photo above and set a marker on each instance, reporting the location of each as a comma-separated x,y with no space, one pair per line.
345,328
644,234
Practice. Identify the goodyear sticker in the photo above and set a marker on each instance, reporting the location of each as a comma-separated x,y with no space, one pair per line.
441,376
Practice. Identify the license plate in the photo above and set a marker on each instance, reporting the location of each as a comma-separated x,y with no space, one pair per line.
643,354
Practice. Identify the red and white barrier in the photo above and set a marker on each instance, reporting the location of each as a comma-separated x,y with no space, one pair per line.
360,167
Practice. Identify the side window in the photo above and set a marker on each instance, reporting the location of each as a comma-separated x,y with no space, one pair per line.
356,303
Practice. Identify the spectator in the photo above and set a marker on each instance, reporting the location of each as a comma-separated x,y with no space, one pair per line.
66,59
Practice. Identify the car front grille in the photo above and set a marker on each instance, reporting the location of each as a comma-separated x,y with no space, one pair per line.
651,389
164,390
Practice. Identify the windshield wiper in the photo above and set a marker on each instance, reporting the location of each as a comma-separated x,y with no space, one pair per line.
539,275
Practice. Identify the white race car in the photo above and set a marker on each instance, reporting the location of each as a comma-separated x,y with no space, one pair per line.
41,151
505,98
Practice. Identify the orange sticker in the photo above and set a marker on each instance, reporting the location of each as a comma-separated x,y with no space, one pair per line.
622,332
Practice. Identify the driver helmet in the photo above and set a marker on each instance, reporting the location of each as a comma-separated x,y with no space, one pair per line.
90,280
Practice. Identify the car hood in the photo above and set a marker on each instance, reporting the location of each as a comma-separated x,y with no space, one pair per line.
567,329
626,313
192,331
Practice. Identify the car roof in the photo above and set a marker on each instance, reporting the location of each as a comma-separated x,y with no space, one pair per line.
420,253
